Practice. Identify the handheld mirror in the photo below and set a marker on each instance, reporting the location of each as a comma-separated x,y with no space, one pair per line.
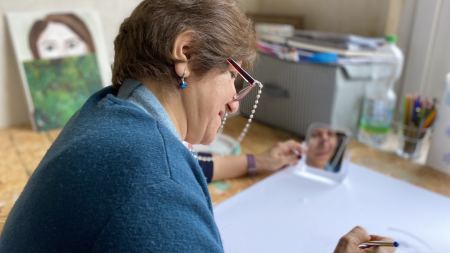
325,151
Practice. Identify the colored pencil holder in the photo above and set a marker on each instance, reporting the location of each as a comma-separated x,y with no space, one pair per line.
411,139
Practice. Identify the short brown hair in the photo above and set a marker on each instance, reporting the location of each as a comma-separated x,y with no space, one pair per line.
145,40
70,20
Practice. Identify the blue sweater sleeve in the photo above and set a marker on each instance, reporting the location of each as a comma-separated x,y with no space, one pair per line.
178,223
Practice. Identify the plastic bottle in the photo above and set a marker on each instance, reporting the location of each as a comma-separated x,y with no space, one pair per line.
396,56
380,99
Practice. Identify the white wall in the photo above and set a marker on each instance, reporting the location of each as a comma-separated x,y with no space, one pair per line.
250,5
13,109
428,56
440,56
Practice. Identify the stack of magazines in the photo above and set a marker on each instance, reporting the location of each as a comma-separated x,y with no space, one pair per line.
284,42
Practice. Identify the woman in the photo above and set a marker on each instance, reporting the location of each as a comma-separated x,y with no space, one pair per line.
118,178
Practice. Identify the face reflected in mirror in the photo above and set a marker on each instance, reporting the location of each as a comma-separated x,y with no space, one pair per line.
325,148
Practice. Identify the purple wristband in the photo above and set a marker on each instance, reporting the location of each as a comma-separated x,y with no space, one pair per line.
251,165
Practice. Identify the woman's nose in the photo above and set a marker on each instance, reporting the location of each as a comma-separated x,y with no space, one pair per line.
232,106
324,136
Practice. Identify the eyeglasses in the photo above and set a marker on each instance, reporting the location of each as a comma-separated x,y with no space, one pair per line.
248,78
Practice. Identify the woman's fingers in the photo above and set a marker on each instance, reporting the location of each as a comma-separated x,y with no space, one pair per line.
290,147
355,237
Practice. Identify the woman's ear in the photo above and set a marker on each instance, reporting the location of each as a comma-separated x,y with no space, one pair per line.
181,53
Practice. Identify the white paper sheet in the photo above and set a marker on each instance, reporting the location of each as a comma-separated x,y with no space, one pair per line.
288,212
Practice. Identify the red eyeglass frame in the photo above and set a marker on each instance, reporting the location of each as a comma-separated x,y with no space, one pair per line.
247,77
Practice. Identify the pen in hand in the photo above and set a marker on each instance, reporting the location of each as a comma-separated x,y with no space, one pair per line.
379,244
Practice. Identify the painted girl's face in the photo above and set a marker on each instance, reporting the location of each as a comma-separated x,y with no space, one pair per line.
59,41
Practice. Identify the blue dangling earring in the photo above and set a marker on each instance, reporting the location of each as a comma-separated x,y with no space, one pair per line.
182,85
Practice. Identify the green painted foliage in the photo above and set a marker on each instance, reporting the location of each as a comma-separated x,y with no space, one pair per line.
59,87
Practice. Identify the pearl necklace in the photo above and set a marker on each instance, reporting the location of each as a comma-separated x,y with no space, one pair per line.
243,132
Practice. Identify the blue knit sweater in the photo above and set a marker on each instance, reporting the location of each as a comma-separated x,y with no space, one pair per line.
115,180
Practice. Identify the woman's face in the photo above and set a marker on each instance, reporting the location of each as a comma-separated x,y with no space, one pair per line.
59,41
321,147
206,101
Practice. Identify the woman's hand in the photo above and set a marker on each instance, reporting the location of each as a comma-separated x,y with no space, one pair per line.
279,156
350,242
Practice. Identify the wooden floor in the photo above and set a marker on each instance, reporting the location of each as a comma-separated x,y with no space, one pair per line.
22,149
